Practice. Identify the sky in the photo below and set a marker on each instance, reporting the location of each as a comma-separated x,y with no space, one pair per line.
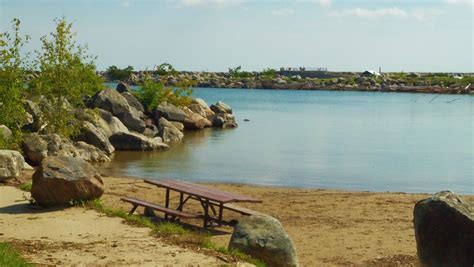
203,35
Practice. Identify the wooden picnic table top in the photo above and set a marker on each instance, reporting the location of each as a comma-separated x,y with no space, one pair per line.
202,191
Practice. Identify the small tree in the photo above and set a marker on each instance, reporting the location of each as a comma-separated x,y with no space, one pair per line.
116,74
165,69
151,93
67,74
12,77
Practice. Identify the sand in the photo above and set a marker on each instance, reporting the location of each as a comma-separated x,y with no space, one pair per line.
328,227
80,237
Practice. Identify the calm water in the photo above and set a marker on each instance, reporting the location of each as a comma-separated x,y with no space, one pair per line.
347,140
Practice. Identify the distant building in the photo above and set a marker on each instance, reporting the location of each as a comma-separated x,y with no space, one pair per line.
370,73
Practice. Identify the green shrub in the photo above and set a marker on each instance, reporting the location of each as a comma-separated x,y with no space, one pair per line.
10,258
12,77
238,73
26,187
67,74
151,94
118,74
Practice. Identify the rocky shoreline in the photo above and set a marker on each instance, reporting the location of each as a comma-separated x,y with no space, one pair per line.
410,83
114,120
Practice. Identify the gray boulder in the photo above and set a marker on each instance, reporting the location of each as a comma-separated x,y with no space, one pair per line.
168,132
58,180
37,147
96,137
221,107
112,101
114,125
132,120
123,87
5,132
178,125
263,237
136,142
444,230
194,121
36,119
133,101
222,120
169,112
11,164
200,107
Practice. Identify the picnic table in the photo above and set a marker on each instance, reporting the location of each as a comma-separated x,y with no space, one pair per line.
210,199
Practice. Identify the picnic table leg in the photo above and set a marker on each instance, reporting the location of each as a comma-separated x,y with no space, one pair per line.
206,213
221,208
181,200
133,209
167,201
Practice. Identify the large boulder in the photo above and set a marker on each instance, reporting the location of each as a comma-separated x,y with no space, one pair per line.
133,101
194,121
96,137
221,107
114,125
200,107
59,180
444,230
110,100
36,119
132,120
37,147
263,237
123,87
169,112
168,132
222,120
11,164
136,142
5,132
116,104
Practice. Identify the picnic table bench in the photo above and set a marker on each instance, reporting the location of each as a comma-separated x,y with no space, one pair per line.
211,200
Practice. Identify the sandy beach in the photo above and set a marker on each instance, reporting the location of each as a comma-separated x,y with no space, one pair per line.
328,227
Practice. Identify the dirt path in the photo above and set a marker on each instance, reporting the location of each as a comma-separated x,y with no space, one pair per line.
80,237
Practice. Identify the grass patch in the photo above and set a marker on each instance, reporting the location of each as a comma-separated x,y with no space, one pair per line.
26,187
173,232
9,257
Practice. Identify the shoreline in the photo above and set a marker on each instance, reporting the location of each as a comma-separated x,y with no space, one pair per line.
224,183
357,228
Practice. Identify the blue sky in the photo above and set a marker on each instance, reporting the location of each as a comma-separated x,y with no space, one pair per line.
215,35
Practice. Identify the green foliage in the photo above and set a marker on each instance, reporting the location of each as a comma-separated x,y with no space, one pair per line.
12,76
165,69
67,74
26,187
152,93
10,258
77,203
269,73
238,73
117,74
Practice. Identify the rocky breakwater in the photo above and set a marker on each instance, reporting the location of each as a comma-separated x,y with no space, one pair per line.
115,120
335,81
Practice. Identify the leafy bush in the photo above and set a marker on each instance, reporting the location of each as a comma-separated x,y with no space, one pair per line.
270,73
151,94
12,76
238,73
67,74
165,69
117,74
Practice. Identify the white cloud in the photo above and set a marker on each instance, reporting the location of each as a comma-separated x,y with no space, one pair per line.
283,12
394,12
460,2
324,3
